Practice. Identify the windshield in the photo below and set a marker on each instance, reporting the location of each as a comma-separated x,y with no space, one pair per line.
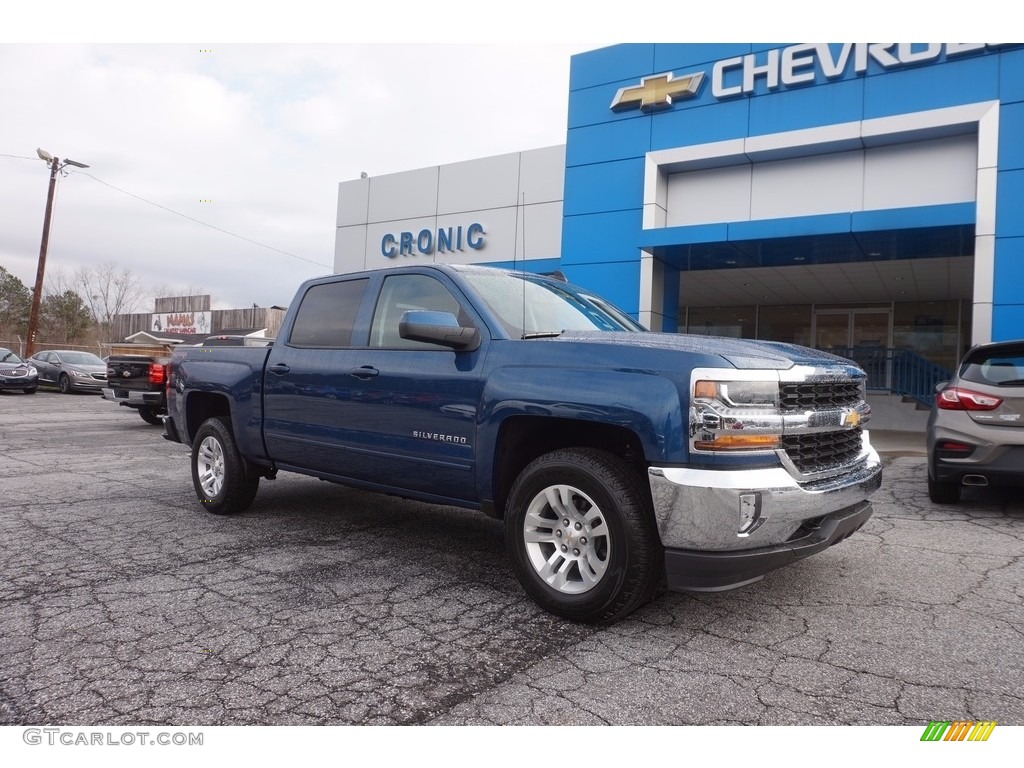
81,358
530,306
6,356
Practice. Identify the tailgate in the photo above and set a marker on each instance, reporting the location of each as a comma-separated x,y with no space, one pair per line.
130,373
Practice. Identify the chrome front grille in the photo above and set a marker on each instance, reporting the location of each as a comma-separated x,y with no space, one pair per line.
797,397
822,451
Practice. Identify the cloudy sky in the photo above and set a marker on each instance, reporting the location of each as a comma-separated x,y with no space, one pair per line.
196,125
252,139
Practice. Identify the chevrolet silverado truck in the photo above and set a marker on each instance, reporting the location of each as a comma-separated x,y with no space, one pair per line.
619,460
138,382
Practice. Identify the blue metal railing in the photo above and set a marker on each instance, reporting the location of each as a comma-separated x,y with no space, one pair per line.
899,371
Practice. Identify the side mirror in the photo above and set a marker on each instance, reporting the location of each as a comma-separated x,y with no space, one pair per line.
941,386
438,328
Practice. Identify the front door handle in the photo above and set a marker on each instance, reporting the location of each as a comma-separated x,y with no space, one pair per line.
279,368
365,372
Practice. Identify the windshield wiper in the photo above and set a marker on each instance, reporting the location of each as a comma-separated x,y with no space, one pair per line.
541,335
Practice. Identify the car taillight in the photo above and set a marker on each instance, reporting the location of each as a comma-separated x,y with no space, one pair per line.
156,373
958,399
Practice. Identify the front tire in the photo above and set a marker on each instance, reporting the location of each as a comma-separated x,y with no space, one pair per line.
224,481
150,416
64,384
581,535
30,390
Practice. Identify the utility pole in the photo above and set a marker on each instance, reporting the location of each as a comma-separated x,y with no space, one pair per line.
37,292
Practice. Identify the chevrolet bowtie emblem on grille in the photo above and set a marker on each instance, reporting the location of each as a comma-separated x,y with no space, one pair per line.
657,92
851,419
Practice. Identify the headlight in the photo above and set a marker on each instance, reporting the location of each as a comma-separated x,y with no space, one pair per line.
735,416
79,374
748,394
32,371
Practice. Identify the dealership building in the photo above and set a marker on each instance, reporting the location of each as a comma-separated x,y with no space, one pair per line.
864,198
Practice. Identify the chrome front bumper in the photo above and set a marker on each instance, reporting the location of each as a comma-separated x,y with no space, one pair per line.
726,528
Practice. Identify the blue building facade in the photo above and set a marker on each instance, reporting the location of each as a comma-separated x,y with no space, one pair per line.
829,194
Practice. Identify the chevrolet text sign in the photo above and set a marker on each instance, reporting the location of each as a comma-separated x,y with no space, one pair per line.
784,68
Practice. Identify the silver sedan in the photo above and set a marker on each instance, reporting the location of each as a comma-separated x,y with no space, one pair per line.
70,370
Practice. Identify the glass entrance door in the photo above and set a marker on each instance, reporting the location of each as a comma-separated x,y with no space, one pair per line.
861,335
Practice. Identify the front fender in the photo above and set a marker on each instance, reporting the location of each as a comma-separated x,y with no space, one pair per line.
644,403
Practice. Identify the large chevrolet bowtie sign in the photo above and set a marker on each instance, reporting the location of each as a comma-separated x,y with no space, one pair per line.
783,68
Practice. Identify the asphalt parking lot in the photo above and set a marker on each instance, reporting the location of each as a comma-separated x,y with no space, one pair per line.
123,603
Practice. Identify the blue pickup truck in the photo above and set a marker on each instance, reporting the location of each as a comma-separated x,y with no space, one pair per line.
619,460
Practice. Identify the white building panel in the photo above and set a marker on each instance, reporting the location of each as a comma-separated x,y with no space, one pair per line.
476,185
931,172
540,232
407,195
807,186
350,249
353,202
487,192
708,196
542,175
375,232
499,237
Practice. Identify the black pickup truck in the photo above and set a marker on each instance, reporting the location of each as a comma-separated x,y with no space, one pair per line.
139,382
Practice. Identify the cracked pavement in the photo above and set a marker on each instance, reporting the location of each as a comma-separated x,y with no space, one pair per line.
123,603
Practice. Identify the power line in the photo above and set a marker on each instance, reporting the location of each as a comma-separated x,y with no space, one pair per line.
19,157
205,224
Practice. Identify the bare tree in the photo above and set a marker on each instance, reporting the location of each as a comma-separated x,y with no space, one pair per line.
108,290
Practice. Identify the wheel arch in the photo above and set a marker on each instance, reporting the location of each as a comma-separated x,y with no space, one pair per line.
521,439
200,406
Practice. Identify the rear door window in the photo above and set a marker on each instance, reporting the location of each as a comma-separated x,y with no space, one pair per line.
327,315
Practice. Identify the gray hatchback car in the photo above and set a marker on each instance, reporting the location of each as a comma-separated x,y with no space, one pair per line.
976,427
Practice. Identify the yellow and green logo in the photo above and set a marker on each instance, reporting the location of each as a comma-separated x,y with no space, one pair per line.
958,730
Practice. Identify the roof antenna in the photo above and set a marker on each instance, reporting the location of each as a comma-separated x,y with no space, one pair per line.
524,231
515,239
524,260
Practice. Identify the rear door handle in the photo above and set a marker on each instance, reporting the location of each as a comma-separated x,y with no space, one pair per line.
279,368
365,372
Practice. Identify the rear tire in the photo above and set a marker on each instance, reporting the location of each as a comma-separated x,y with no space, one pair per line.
224,481
943,493
150,416
581,535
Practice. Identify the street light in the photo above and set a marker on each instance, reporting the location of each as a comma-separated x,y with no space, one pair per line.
37,292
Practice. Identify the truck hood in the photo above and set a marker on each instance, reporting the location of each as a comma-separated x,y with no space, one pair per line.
741,353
